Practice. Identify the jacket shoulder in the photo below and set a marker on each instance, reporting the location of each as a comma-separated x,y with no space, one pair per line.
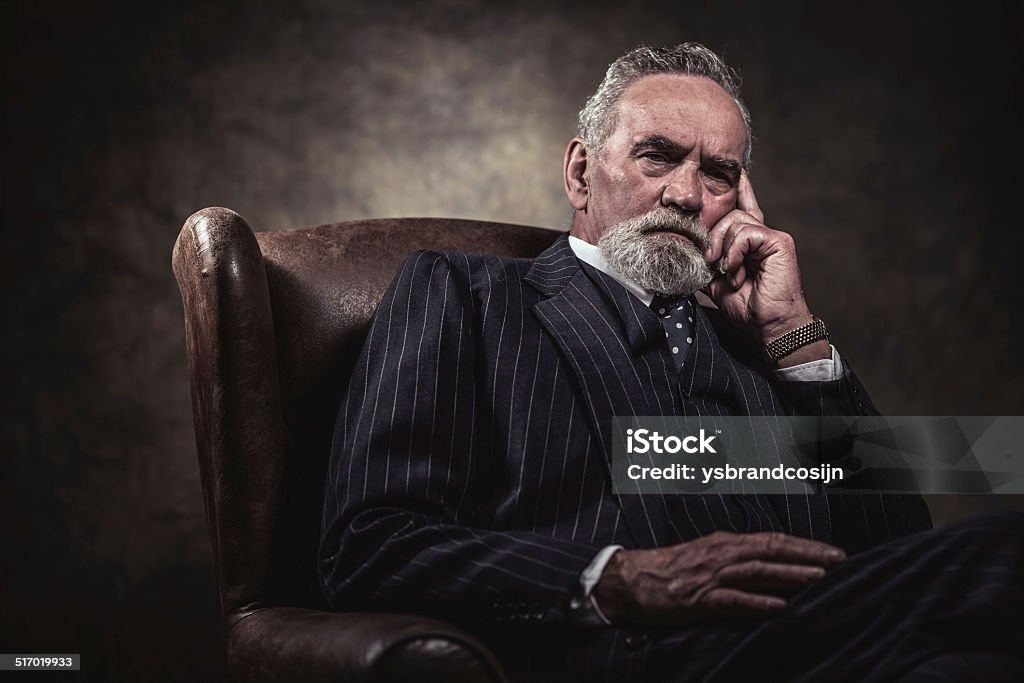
473,268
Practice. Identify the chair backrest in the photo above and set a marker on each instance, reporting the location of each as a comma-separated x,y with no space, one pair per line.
274,324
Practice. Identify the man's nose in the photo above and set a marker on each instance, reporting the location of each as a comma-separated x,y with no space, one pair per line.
683,189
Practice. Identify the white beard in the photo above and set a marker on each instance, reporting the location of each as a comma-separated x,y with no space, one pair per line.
660,263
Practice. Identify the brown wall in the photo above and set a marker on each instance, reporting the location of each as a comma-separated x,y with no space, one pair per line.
888,143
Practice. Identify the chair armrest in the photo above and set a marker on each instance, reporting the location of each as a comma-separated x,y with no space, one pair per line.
293,644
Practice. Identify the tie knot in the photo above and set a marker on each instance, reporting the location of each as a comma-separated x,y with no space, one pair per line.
666,306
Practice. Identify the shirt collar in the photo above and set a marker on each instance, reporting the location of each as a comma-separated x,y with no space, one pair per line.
588,253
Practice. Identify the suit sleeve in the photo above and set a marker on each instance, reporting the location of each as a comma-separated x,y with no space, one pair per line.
859,521
410,470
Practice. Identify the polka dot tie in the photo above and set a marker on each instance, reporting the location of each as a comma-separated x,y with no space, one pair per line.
676,316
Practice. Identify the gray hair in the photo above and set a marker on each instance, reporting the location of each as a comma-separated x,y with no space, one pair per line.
597,118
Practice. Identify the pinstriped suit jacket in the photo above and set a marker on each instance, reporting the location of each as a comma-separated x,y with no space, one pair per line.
469,476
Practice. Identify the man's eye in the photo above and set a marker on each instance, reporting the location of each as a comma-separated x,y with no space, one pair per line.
718,176
657,157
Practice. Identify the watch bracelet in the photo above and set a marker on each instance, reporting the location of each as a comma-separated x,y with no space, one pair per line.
782,346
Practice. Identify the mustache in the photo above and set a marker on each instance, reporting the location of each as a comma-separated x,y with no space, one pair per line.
684,223
659,263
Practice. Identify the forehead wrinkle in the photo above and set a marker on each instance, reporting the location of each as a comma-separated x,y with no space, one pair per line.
688,129
697,103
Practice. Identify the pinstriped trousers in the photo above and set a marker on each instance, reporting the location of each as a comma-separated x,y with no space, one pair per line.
940,605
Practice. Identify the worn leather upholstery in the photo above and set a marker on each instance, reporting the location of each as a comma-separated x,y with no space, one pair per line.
273,324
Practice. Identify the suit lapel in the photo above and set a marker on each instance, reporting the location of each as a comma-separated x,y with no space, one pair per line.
588,329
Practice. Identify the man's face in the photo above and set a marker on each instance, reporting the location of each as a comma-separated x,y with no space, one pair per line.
678,144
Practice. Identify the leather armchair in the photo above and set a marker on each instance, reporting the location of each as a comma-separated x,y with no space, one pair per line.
274,322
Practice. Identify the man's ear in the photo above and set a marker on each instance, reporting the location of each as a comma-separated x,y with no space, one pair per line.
575,172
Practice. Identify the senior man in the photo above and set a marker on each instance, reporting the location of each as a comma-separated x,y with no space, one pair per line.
470,473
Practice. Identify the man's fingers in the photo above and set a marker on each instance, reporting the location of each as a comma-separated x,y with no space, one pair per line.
741,240
781,547
719,231
737,278
718,287
730,601
758,574
746,201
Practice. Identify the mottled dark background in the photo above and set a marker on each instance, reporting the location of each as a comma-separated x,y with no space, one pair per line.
888,143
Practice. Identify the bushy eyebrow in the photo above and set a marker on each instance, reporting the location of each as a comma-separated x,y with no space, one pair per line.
730,166
658,143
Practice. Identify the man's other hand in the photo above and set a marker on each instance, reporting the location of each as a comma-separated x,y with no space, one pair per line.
720,575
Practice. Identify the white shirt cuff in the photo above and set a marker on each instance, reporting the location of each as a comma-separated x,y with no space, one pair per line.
824,370
583,607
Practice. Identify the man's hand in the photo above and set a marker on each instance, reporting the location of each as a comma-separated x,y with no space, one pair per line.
759,288
720,575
